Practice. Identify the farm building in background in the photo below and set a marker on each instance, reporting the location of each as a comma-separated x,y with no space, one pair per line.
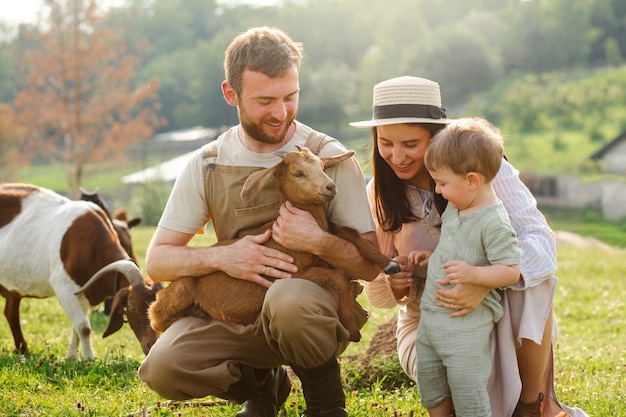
568,191
613,155
167,171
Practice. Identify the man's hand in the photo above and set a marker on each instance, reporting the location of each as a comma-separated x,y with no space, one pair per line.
249,260
297,229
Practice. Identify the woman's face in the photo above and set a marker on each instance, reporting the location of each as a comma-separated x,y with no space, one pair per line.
403,146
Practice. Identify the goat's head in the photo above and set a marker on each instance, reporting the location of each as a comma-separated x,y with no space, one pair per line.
95,198
122,226
130,303
121,222
300,177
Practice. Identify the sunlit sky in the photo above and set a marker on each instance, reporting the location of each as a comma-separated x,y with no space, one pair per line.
25,11
20,11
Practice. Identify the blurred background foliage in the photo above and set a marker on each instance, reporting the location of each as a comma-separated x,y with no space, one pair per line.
549,73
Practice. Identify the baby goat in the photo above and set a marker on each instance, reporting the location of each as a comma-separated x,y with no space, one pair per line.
301,179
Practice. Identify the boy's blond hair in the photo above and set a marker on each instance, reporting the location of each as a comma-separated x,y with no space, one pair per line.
466,145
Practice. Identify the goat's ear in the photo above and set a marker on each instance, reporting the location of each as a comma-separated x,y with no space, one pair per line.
256,181
120,214
334,160
116,317
134,222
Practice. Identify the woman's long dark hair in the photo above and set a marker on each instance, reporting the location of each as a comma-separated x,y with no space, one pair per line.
393,207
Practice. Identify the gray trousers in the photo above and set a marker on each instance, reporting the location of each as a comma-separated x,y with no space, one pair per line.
453,359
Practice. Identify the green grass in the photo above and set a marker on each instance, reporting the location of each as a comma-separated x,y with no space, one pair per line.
587,222
589,357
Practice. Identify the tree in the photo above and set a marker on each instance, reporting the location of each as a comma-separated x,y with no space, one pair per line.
326,96
465,66
77,103
546,36
9,137
7,69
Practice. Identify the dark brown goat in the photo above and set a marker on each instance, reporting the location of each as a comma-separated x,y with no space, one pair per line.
301,179
122,225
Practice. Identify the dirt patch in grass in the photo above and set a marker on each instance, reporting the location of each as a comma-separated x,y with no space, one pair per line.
384,341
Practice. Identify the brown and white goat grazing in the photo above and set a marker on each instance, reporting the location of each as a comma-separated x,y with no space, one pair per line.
53,246
301,179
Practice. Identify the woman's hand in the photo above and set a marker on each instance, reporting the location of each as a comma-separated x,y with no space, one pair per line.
400,283
462,299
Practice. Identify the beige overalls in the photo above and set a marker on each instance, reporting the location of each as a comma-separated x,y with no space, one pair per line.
298,324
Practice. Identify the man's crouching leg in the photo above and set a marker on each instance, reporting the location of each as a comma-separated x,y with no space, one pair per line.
301,324
195,358
263,391
322,389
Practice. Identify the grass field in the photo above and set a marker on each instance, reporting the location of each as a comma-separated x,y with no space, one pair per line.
589,357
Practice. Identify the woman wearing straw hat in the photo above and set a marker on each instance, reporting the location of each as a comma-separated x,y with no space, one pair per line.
407,112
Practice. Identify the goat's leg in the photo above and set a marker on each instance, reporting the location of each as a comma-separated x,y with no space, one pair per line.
357,288
230,299
347,300
12,314
172,303
76,309
340,283
72,350
367,250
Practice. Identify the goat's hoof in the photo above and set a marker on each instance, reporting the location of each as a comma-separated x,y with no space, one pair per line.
392,268
357,288
355,336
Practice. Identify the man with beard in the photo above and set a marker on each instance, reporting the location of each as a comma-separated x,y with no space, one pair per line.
298,325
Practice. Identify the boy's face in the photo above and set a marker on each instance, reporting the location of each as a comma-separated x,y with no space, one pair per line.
268,106
453,187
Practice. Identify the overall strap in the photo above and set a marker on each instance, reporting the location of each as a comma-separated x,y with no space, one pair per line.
231,217
316,141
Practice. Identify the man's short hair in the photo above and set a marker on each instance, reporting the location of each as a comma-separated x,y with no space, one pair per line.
267,50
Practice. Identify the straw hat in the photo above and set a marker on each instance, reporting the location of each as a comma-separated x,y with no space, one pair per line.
406,100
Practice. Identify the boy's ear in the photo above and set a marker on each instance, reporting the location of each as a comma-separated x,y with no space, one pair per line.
473,180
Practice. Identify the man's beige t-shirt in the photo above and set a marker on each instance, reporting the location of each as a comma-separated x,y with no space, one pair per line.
187,209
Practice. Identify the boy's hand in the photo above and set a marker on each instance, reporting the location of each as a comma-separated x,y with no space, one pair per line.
419,257
459,272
